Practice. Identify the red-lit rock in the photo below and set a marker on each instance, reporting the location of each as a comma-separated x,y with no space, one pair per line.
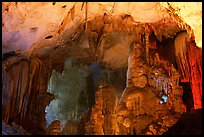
195,60
189,62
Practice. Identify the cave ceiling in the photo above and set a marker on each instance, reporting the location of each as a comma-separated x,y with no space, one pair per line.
27,25
100,67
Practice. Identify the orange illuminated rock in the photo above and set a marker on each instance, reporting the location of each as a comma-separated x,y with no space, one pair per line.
54,128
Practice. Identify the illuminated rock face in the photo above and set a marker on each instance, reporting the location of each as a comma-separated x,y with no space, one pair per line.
54,128
189,58
27,23
175,97
103,113
139,110
195,57
25,76
137,68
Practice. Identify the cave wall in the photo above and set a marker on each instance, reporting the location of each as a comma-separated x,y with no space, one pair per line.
189,61
148,73
24,95
138,110
25,23
195,58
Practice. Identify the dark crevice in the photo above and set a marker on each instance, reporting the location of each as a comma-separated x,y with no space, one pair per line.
187,96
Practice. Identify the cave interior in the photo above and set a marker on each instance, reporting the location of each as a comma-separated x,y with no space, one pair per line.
109,75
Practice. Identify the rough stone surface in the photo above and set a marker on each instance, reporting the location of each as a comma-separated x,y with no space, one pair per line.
103,116
100,109
54,128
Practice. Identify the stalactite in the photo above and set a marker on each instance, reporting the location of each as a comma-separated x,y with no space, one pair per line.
181,53
86,16
65,21
18,86
26,104
147,43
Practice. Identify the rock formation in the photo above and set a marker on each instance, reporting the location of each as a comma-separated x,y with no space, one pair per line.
103,113
54,128
114,74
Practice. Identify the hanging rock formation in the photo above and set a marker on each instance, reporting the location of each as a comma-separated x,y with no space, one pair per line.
25,100
139,110
150,102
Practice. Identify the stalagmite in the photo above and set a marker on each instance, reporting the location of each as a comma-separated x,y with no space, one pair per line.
103,116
